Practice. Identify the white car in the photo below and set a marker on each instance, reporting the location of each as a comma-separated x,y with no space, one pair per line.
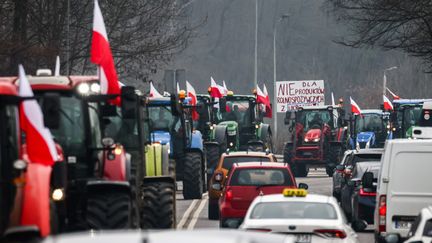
306,218
421,230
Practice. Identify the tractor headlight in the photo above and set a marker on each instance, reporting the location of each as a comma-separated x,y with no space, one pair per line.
231,144
306,140
257,126
368,144
58,194
83,88
316,140
95,88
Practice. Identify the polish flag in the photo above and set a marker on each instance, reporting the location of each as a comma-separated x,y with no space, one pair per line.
269,112
354,107
192,94
42,154
215,91
153,92
101,55
261,98
388,106
395,97
225,89
178,88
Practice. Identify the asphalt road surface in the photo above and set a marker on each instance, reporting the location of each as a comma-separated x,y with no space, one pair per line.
192,214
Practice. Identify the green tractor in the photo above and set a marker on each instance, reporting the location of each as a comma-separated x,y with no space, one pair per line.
151,170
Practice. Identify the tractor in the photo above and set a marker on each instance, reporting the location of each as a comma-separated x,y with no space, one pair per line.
97,194
151,169
369,129
170,123
318,138
405,116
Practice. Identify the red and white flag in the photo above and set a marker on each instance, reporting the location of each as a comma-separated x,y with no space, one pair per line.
40,144
395,96
153,92
269,112
215,91
225,89
178,88
192,94
354,107
101,55
388,106
261,98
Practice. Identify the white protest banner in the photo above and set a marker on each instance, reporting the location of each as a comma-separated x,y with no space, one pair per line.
293,94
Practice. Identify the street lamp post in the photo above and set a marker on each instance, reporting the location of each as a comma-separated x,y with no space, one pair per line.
285,16
385,79
256,45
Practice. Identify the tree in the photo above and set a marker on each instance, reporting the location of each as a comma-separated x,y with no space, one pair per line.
143,34
389,24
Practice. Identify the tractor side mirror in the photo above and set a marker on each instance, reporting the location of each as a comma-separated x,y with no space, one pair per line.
222,105
367,179
128,102
51,110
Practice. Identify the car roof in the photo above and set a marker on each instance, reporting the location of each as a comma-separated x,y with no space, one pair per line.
369,151
308,198
259,164
247,153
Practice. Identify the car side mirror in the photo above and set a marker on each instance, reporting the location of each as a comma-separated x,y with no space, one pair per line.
340,167
51,110
128,102
303,186
217,186
367,180
222,105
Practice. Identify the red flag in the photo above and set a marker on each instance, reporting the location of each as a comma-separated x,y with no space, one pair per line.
42,153
153,91
269,112
192,94
388,106
354,107
101,55
261,98
215,91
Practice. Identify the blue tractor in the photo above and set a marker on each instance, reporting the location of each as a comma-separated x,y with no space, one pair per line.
369,129
170,123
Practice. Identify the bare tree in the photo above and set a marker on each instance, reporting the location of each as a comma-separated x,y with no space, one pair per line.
389,24
143,34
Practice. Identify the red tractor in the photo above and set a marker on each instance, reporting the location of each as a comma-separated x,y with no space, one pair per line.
21,181
318,138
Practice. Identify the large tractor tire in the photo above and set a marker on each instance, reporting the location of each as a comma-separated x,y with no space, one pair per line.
213,156
109,210
301,170
158,211
333,158
193,176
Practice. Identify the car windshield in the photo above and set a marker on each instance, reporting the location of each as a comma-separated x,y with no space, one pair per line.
161,118
239,111
261,177
314,118
369,123
293,210
230,160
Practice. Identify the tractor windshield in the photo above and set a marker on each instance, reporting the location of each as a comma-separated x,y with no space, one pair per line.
239,111
161,118
314,118
369,123
411,116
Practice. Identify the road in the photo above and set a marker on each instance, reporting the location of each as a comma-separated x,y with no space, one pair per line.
192,214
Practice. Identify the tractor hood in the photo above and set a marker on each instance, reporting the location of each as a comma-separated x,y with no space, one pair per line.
231,127
162,137
365,140
313,135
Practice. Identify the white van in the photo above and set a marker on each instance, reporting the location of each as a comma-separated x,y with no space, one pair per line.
404,187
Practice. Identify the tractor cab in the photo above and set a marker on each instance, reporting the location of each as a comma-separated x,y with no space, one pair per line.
369,129
405,116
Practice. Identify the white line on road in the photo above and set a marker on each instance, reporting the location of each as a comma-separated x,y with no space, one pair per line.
186,214
197,213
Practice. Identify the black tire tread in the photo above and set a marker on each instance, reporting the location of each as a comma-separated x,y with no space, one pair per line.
158,211
109,210
193,178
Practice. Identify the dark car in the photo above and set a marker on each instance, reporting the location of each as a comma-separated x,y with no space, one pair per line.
245,182
352,188
343,171
363,198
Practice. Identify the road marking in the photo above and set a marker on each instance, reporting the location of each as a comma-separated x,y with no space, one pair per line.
186,214
197,213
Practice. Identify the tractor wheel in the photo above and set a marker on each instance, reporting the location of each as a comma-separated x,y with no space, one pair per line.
213,209
213,156
301,170
158,211
288,153
109,210
192,179
54,220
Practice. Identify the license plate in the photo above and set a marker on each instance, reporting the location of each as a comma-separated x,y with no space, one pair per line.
403,224
303,238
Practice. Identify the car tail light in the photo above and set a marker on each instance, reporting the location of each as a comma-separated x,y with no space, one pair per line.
259,230
218,176
368,194
382,212
228,195
333,233
347,172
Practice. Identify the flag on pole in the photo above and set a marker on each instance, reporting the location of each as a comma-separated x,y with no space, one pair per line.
153,92
178,88
225,89
388,106
269,112
192,94
333,99
354,107
42,153
57,67
101,55
215,91
395,97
